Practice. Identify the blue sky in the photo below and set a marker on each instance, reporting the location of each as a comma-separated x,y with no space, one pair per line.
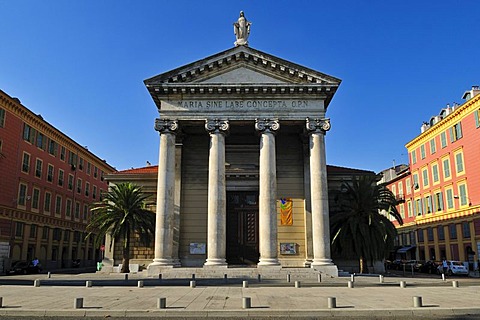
81,64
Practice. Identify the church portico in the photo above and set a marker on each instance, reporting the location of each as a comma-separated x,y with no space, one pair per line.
242,173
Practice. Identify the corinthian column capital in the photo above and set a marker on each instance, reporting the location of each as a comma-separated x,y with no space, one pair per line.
267,125
166,125
217,126
318,125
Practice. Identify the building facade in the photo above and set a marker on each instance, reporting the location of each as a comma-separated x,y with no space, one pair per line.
47,183
439,192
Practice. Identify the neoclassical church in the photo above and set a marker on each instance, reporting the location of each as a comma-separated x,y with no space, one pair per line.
242,174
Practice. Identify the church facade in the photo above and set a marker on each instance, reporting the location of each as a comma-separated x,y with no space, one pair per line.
242,171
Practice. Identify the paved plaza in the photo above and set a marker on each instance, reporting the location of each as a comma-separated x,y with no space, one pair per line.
112,296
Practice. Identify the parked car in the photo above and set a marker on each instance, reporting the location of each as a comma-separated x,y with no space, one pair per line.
454,267
23,267
416,265
430,266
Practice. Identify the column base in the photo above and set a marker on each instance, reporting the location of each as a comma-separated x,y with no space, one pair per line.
268,262
329,269
215,262
159,265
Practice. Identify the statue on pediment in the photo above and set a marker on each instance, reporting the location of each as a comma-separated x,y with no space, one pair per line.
242,30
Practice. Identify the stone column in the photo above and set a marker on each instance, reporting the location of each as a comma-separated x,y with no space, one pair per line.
165,196
319,195
268,192
217,197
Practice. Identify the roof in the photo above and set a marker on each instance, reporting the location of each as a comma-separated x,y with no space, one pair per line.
143,170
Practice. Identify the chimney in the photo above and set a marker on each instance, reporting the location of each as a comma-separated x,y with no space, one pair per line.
471,93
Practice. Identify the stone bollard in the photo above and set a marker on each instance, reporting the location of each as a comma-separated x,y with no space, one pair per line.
1,302
36,283
125,276
332,302
319,277
88,284
246,303
225,278
443,277
352,277
78,303
403,284
193,284
245,284
193,276
351,284
159,276
380,278
288,277
417,302
49,275
162,303
259,277
140,283
455,284
298,284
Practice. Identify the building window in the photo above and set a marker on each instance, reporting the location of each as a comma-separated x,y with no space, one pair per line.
425,177
422,151
60,177
89,168
77,210
38,168
428,204
66,235
52,147
443,139
72,158
68,209
35,198
446,168
62,153
414,156
402,211
50,173
2,118
452,230
28,133
80,163
462,190
455,132
19,229
79,185
26,162
477,118
430,234
94,193
433,147
47,202
412,238
87,189
95,172
441,233
459,163
438,202
45,233
41,141
408,185
409,209
420,235
466,229
58,205
435,176
415,181
394,190
70,182
22,194
33,231
418,207
449,193
85,212
57,235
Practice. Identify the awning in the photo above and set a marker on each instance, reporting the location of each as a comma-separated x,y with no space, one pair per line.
405,249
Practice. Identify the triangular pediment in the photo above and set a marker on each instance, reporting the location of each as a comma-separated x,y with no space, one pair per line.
242,65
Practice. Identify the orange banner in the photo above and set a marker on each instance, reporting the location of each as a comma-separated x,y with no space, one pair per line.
286,211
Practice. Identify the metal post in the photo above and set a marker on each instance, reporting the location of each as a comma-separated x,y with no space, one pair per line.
140,283
380,277
78,303
352,277
246,302
288,277
1,302
49,275
351,284
259,277
225,278
125,276
193,284
162,303
88,284
455,284
319,277
159,276
298,284
403,284
332,302
193,276
245,284
36,283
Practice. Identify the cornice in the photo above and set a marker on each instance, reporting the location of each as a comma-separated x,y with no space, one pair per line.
457,115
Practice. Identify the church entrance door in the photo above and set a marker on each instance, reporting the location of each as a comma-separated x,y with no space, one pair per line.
242,228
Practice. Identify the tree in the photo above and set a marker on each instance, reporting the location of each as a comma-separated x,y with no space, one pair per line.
121,214
360,221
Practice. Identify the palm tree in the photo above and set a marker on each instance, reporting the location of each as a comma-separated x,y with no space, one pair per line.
121,214
360,221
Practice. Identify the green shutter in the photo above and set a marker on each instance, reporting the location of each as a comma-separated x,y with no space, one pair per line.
477,118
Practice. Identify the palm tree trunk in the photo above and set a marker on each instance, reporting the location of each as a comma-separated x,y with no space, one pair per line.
126,254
